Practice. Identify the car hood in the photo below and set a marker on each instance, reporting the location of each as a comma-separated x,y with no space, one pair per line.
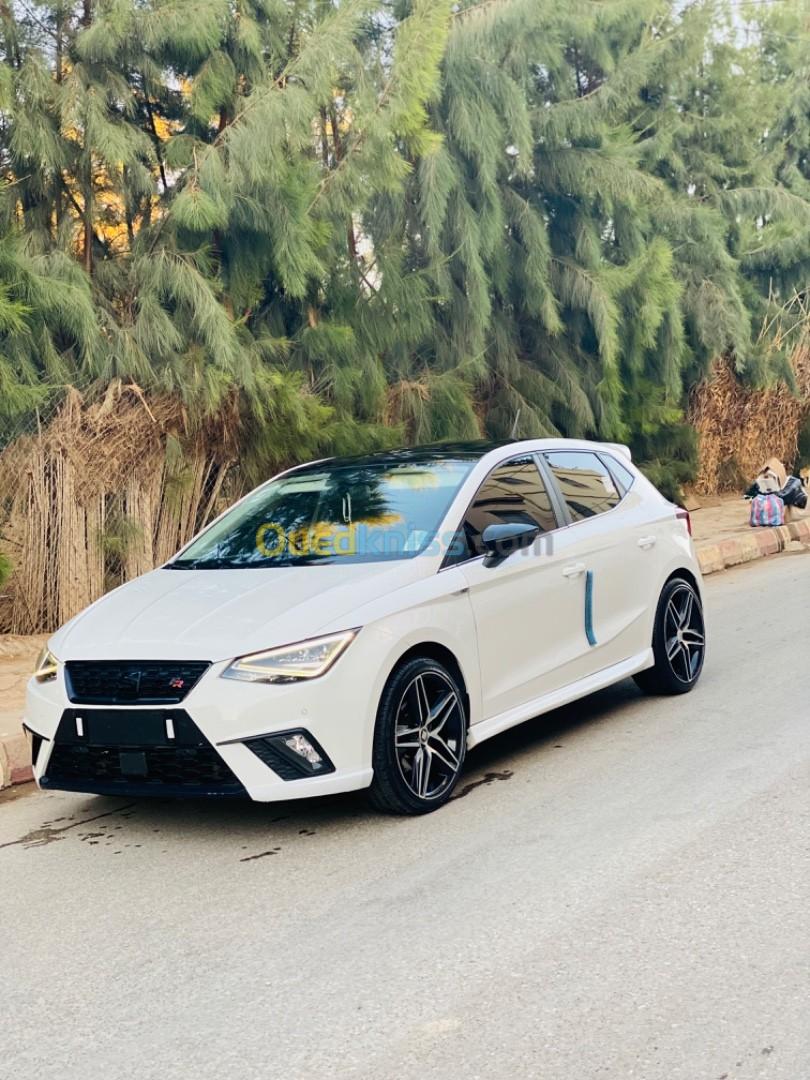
219,614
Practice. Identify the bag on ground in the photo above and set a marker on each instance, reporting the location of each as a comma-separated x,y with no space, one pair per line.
793,493
767,510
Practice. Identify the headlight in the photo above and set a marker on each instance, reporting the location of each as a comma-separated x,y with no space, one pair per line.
47,667
290,663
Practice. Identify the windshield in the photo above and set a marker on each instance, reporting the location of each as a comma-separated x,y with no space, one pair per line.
372,511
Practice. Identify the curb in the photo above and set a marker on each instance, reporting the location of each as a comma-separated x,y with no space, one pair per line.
715,556
15,760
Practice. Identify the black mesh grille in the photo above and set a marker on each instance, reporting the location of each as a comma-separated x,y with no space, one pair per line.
129,682
199,769
283,767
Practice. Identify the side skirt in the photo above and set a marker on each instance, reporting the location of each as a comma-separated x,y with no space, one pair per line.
566,694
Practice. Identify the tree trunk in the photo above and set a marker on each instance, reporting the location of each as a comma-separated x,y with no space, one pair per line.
155,139
86,20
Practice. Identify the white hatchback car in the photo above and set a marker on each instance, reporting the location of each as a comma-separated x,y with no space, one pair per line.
362,623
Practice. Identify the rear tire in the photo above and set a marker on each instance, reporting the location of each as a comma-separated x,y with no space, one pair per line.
420,739
679,641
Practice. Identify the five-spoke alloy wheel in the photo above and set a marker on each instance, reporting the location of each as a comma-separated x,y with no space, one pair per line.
420,738
679,641
684,633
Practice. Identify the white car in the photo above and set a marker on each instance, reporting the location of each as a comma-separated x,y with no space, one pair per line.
362,623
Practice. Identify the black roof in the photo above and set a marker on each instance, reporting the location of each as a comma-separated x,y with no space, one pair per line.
445,451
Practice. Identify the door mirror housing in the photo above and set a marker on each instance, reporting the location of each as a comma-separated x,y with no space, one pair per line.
501,541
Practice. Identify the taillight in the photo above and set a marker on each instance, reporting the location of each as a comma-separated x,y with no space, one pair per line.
684,516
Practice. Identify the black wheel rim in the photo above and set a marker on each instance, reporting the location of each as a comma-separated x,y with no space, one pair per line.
684,634
429,739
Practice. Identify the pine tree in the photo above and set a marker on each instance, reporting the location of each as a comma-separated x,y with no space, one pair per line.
775,247
356,222
542,233
201,170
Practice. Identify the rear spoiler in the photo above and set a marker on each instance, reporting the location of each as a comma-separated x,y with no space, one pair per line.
620,448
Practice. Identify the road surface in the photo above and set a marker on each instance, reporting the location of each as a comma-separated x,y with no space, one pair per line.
619,890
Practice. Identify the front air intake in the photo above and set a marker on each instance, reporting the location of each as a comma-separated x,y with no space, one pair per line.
136,752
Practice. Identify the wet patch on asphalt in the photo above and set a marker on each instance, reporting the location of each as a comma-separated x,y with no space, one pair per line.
261,855
485,781
50,832
116,835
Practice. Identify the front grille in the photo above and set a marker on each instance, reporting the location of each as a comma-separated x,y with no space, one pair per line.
197,768
131,753
130,682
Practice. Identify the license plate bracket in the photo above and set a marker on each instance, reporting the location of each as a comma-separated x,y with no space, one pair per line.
123,728
112,727
129,729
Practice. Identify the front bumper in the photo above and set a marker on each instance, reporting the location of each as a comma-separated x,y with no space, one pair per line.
217,745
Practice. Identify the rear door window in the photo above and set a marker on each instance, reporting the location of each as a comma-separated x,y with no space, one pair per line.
585,483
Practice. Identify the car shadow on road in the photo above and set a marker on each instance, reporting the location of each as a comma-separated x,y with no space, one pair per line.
550,727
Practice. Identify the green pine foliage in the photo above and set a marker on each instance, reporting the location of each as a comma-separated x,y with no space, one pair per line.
374,221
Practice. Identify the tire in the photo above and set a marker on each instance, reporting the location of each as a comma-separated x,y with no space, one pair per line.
420,739
679,641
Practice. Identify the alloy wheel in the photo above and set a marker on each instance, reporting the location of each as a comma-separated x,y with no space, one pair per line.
429,734
684,634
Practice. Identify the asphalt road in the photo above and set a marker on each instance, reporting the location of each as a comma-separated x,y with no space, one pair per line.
619,890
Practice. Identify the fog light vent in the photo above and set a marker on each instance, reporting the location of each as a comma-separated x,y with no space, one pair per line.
292,755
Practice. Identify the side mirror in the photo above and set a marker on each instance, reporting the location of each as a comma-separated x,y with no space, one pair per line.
501,541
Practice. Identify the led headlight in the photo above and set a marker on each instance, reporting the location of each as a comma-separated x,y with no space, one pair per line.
290,663
47,667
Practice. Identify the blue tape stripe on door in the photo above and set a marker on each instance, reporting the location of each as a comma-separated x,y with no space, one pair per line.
589,608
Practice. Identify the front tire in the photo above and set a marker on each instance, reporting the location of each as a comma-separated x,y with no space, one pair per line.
420,740
679,641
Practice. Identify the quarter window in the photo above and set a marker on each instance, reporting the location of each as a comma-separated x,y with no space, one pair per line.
512,493
585,483
620,473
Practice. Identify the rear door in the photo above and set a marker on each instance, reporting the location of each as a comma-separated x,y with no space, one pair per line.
528,618
611,549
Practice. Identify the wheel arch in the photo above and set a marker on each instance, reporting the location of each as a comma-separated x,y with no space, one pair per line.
433,650
684,572
680,571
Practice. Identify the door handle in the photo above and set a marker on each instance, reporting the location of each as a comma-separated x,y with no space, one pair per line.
647,542
575,570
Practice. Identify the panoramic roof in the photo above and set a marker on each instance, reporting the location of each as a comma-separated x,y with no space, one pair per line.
435,452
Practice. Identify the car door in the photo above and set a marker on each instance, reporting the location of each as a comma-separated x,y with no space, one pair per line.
528,620
608,553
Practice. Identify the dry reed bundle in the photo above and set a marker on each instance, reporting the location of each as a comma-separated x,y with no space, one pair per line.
739,428
106,492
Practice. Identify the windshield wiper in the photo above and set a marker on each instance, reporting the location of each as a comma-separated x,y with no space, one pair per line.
203,564
225,564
